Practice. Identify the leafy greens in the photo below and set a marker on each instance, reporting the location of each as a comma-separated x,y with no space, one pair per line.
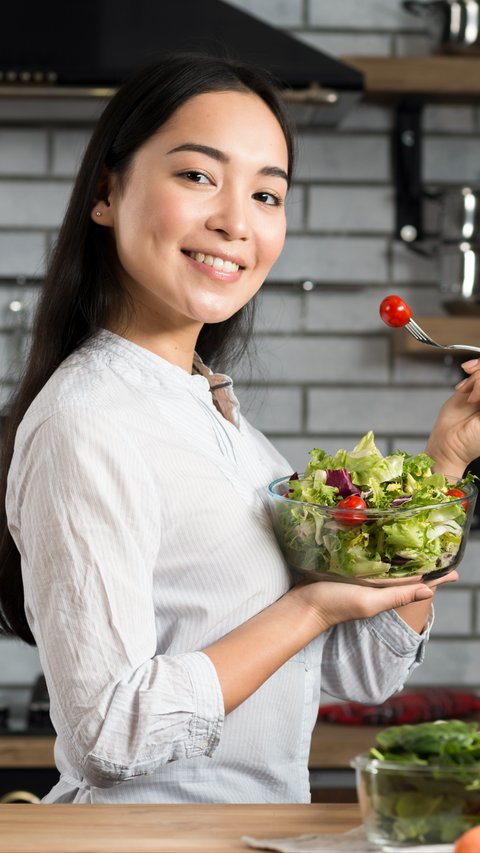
419,530
424,786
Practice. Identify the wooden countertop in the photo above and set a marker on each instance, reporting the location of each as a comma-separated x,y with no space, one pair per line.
162,828
332,747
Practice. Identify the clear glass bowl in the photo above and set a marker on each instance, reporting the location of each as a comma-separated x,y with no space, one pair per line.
328,543
405,805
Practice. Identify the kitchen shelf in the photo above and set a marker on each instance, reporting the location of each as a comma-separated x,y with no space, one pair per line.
433,77
445,330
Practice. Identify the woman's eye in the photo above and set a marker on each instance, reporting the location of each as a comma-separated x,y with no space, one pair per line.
195,177
269,198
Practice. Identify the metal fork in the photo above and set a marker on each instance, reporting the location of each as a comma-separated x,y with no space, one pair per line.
422,336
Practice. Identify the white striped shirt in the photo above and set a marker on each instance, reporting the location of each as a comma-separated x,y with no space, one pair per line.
138,510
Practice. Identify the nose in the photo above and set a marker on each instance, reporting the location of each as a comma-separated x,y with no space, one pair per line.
229,214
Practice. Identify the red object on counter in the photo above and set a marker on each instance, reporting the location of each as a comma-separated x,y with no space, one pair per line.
420,706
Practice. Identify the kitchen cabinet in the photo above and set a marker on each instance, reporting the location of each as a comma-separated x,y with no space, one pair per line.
27,763
163,828
27,767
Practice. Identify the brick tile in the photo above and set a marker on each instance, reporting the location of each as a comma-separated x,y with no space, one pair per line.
367,117
368,15
357,310
440,118
20,663
469,570
13,347
23,152
408,443
449,663
425,370
365,209
68,148
453,611
331,259
278,311
285,13
273,410
413,44
347,44
43,203
294,208
408,267
331,156
22,254
385,410
450,158
321,359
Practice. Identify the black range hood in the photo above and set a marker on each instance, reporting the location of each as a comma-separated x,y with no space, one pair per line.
89,47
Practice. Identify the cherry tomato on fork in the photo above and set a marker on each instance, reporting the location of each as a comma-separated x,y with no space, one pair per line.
354,502
394,311
457,493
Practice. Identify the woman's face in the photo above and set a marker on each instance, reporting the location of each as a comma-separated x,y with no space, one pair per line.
200,218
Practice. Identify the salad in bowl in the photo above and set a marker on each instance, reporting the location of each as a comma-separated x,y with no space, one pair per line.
362,517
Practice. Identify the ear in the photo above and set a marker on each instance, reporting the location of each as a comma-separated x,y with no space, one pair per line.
102,210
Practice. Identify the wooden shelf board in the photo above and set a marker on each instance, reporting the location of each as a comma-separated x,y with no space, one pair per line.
26,751
445,330
439,76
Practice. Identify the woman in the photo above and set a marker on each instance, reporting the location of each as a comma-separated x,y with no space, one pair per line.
181,665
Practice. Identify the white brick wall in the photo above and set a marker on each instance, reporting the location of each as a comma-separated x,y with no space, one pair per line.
327,369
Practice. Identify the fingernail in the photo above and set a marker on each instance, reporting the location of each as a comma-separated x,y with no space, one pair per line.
422,593
461,384
472,363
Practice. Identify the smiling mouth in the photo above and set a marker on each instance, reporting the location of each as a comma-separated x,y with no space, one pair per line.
214,261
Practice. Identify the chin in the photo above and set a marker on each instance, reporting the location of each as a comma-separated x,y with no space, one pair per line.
213,314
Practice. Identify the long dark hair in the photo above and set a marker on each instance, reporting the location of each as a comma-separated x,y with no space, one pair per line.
81,289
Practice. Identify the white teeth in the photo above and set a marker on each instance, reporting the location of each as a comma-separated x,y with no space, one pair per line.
212,261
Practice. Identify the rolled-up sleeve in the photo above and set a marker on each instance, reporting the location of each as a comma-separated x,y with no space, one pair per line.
85,515
368,660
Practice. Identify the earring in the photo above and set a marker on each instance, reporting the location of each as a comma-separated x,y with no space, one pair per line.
97,213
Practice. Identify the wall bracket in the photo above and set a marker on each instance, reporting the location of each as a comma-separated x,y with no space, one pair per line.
407,170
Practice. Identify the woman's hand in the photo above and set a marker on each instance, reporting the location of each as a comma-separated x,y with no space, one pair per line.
331,603
251,653
455,438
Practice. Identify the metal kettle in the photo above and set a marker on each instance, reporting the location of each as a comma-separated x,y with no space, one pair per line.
455,23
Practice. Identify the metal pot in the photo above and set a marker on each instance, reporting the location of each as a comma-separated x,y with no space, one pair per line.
459,251
460,278
455,23
460,218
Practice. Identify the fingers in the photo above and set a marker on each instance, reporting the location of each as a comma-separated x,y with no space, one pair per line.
452,577
470,385
378,600
471,365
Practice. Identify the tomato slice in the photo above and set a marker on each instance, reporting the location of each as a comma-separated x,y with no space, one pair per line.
354,502
394,311
457,493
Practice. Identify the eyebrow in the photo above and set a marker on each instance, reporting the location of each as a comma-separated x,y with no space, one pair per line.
221,157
